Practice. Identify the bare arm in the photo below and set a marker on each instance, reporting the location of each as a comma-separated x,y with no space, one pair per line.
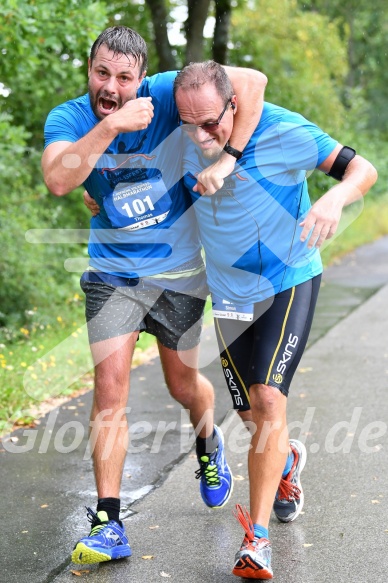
66,165
324,216
249,86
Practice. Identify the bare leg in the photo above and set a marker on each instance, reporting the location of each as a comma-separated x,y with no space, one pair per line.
109,434
191,389
246,418
267,456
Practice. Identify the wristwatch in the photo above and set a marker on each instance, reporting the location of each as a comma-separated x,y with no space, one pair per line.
232,151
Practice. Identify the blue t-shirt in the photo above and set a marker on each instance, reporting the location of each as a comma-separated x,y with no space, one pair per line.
146,223
250,228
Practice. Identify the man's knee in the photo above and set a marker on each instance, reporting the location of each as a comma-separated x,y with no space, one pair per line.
267,401
110,391
189,386
183,389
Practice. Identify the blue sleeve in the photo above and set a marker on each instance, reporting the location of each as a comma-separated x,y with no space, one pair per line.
304,145
69,121
160,88
60,126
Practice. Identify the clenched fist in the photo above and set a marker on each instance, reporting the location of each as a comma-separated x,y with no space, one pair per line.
136,114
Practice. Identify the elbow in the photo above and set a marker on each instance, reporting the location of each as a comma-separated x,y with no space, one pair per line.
57,191
263,79
365,174
258,77
56,188
374,174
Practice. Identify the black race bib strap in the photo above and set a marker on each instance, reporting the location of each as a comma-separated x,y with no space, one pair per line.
340,164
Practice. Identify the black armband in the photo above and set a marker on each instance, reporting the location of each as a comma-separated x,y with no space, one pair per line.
340,164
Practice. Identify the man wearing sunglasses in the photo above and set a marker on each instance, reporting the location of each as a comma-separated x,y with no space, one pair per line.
261,238
146,270
208,126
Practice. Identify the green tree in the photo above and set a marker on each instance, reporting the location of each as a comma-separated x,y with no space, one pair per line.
364,31
44,50
155,19
302,55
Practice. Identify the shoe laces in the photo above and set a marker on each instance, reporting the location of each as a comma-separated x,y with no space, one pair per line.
244,518
96,522
287,490
208,469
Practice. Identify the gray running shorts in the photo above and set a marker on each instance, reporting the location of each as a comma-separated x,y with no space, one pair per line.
172,316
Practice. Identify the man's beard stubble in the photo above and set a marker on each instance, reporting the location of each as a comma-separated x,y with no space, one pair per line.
95,97
212,155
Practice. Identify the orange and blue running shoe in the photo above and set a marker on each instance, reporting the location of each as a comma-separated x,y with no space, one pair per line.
253,560
289,498
107,541
216,478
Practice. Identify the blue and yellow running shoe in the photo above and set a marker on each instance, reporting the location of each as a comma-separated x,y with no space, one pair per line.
253,560
289,498
216,478
107,541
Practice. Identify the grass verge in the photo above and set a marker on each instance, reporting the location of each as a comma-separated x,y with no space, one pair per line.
370,224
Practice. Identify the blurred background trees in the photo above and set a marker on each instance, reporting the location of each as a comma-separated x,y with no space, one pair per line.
324,58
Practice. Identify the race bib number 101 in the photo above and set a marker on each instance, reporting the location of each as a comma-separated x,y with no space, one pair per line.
138,205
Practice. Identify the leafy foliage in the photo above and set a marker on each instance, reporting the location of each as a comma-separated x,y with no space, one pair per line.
44,54
301,53
364,33
44,49
33,274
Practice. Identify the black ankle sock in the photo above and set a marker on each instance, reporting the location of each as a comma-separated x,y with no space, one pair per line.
206,445
111,507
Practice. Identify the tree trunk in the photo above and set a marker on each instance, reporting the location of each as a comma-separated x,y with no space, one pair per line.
221,31
197,15
162,44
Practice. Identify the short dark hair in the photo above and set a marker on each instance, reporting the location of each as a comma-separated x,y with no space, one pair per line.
122,41
195,75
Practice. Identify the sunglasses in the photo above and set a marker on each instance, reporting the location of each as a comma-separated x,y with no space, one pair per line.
210,126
